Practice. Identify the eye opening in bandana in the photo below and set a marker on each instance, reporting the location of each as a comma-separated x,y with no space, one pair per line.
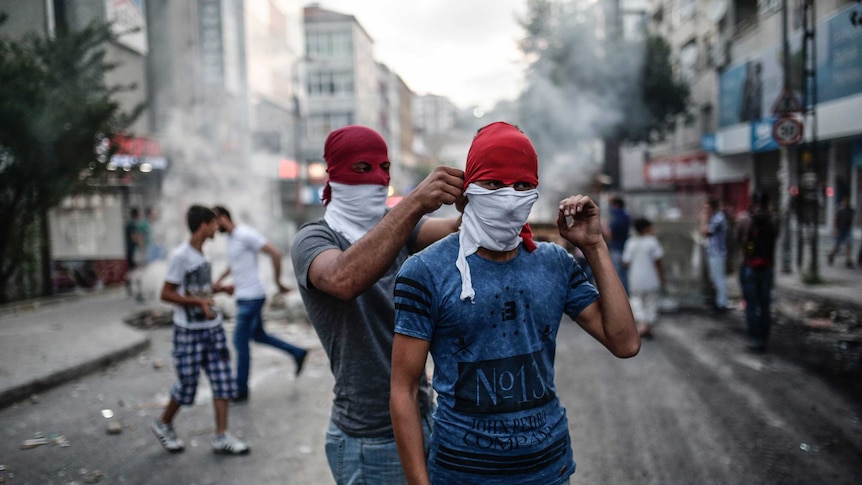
497,184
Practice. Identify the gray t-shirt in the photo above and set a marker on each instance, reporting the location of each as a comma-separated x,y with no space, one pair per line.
356,335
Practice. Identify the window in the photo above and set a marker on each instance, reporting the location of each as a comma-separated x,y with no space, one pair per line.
329,44
688,60
321,125
330,84
687,9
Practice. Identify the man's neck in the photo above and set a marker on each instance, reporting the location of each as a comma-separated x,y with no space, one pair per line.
197,242
498,256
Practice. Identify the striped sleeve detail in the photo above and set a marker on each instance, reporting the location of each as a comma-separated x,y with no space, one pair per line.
412,296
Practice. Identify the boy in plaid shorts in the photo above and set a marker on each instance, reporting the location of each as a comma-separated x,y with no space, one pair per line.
199,338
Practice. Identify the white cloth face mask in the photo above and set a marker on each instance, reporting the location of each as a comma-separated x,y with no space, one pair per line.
355,209
493,220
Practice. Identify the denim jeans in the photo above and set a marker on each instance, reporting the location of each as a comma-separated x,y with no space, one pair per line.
622,271
757,289
367,461
716,276
249,325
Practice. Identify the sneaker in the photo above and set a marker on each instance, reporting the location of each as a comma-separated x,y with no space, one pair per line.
167,436
228,444
300,361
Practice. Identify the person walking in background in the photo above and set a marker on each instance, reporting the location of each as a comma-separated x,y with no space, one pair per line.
756,233
487,304
130,233
842,227
713,225
345,268
642,257
137,234
142,253
243,245
619,229
155,249
199,338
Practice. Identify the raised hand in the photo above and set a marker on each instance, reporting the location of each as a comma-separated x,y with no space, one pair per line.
442,186
579,222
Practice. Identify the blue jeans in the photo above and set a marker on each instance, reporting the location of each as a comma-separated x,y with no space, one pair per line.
249,325
622,271
367,461
757,289
716,276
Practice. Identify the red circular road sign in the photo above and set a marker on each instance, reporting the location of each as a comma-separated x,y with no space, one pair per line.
787,131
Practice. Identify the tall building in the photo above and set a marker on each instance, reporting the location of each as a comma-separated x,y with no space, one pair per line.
275,50
345,85
199,98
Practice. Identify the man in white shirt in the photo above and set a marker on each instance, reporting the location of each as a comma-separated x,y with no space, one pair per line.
243,245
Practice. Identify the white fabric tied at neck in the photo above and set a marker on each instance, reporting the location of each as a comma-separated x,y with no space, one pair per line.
355,209
493,220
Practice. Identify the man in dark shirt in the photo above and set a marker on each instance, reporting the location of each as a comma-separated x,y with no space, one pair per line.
843,230
620,225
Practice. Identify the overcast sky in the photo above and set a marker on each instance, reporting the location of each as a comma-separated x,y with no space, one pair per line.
465,50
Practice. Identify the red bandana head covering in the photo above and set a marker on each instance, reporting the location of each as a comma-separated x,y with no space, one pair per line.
500,151
349,145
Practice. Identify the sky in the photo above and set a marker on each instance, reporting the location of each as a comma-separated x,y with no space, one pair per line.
465,50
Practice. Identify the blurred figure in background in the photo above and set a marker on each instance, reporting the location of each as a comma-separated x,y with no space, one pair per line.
130,236
199,337
842,227
713,225
243,245
619,228
642,257
756,233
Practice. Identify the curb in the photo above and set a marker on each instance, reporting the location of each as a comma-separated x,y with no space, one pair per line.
17,393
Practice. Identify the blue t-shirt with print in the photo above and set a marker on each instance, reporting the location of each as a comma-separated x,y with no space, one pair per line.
498,418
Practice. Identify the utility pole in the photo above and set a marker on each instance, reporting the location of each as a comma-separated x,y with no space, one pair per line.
784,173
809,153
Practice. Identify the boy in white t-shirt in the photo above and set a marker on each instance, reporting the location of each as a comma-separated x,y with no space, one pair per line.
199,338
642,256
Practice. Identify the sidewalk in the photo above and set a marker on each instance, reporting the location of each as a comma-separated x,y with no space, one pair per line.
50,341
47,342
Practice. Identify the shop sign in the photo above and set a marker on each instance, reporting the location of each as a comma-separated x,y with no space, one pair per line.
678,169
761,136
130,151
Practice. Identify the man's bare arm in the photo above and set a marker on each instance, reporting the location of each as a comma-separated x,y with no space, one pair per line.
276,256
347,274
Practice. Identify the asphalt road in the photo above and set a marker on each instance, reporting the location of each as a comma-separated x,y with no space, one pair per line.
692,408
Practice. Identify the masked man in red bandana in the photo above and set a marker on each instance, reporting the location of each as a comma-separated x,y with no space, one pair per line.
487,304
345,269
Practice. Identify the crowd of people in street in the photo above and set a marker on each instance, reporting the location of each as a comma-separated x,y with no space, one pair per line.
384,288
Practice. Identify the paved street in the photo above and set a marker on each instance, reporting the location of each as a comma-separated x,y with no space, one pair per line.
692,408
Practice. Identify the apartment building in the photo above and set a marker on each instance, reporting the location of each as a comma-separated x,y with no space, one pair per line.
345,85
731,54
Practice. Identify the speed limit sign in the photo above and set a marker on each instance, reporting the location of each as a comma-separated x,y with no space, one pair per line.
787,131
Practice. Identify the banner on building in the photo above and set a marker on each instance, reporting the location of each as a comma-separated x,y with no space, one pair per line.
128,20
690,168
748,89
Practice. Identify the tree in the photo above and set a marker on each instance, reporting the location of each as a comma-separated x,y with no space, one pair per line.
55,111
587,83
